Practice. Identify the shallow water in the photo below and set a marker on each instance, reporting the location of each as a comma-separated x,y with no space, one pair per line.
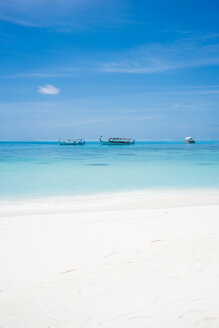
35,169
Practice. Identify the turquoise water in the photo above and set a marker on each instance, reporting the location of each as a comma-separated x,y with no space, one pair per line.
35,169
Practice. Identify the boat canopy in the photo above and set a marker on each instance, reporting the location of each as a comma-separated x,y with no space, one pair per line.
119,139
71,139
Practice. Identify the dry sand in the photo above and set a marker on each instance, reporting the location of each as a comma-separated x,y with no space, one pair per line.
114,261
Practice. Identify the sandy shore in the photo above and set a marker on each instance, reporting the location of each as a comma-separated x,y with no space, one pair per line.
134,261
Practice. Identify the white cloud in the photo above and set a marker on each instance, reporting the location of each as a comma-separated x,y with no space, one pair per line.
49,89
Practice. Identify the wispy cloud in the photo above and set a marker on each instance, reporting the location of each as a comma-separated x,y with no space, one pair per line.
147,59
155,58
22,22
143,118
34,75
61,15
48,89
78,122
211,92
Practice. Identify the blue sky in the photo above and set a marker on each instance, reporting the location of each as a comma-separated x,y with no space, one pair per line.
81,68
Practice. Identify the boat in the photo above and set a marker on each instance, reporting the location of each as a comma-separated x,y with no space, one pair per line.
189,140
117,141
71,142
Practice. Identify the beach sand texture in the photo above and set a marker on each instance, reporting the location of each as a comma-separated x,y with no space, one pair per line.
127,264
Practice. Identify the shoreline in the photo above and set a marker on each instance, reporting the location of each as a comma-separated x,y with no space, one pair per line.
130,200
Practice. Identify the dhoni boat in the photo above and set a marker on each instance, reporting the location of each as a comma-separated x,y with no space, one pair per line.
117,141
71,142
189,140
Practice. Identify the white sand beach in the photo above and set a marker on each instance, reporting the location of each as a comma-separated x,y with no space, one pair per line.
138,259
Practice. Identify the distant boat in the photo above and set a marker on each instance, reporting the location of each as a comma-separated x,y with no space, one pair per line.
117,141
71,142
189,140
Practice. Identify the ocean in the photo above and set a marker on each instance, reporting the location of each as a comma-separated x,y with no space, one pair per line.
39,169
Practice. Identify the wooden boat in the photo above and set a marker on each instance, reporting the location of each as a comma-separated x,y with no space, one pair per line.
71,142
189,140
117,141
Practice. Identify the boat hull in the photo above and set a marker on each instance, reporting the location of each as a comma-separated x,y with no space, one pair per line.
72,143
116,143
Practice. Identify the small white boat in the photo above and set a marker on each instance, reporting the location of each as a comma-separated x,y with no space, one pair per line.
71,142
189,140
117,141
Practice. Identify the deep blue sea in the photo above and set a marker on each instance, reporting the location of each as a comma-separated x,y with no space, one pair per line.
36,169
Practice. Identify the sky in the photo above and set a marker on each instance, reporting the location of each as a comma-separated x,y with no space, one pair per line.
147,69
